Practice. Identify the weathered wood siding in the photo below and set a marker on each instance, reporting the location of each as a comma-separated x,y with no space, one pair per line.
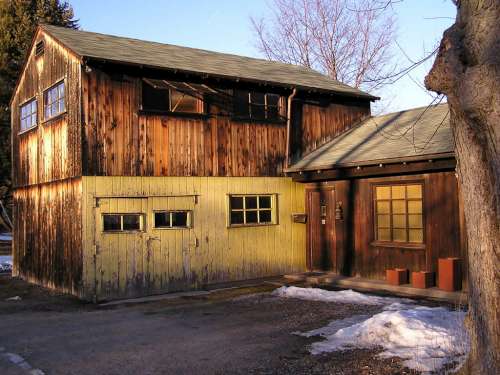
47,242
50,151
358,255
168,260
121,142
316,124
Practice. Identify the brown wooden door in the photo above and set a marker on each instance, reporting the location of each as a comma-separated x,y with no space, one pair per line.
321,230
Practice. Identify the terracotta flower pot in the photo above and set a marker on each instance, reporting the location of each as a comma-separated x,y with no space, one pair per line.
397,276
422,279
449,274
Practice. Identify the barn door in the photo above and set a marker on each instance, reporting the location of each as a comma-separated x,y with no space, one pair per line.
121,240
321,230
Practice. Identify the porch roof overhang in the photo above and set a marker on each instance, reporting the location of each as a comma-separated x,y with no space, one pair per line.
379,168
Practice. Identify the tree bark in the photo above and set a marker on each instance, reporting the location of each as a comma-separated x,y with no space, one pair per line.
467,70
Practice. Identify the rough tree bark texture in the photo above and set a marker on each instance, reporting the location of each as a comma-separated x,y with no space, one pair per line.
467,70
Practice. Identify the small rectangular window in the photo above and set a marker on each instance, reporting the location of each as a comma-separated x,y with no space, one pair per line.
54,100
28,115
398,213
122,222
252,209
257,105
172,219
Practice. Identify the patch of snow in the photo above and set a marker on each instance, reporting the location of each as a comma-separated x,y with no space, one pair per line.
425,338
343,296
5,237
334,326
5,263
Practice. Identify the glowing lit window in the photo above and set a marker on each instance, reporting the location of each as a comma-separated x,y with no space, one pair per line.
399,213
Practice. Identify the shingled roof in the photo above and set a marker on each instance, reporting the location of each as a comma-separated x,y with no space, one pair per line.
166,56
414,134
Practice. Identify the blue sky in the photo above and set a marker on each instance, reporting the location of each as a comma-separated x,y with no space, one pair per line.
224,26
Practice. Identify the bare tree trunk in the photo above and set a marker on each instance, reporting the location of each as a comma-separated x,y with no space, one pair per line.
467,70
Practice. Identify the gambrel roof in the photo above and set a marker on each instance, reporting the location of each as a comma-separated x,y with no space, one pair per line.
166,56
414,134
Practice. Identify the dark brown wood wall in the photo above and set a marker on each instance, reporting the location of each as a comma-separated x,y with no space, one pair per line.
120,141
47,243
321,124
441,221
358,255
52,150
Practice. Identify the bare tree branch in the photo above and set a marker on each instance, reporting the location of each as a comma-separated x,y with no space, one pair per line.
349,40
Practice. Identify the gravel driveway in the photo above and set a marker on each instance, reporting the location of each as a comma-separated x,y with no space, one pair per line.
236,331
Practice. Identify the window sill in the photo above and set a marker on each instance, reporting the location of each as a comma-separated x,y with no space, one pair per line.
173,228
54,118
259,121
26,131
122,231
401,245
250,225
151,112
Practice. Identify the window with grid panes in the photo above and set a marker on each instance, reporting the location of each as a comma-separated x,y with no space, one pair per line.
252,209
28,115
399,213
257,105
54,100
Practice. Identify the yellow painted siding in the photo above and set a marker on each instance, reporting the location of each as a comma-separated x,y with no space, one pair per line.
131,264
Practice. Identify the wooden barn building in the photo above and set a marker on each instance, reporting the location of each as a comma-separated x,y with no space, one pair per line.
143,168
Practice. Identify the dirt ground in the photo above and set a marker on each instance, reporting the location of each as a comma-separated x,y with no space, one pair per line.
234,331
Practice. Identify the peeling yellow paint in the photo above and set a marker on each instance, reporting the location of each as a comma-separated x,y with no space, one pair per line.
152,261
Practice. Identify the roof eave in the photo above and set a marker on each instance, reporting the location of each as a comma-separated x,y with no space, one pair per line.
361,95
365,163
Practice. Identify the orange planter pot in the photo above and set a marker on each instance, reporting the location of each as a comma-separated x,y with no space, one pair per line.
450,274
422,279
397,276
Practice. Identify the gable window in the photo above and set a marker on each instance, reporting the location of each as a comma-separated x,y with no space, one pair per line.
252,209
122,222
28,115
54,100
257,106
160,96
398,213
172,219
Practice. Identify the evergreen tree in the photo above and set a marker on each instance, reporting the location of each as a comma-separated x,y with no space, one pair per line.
18,22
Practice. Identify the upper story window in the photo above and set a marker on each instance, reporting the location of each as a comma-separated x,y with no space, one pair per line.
54,100
257,105
28,115
398,213
158,95
252,209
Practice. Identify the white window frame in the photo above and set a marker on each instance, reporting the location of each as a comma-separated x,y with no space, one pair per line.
21,118
59,99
